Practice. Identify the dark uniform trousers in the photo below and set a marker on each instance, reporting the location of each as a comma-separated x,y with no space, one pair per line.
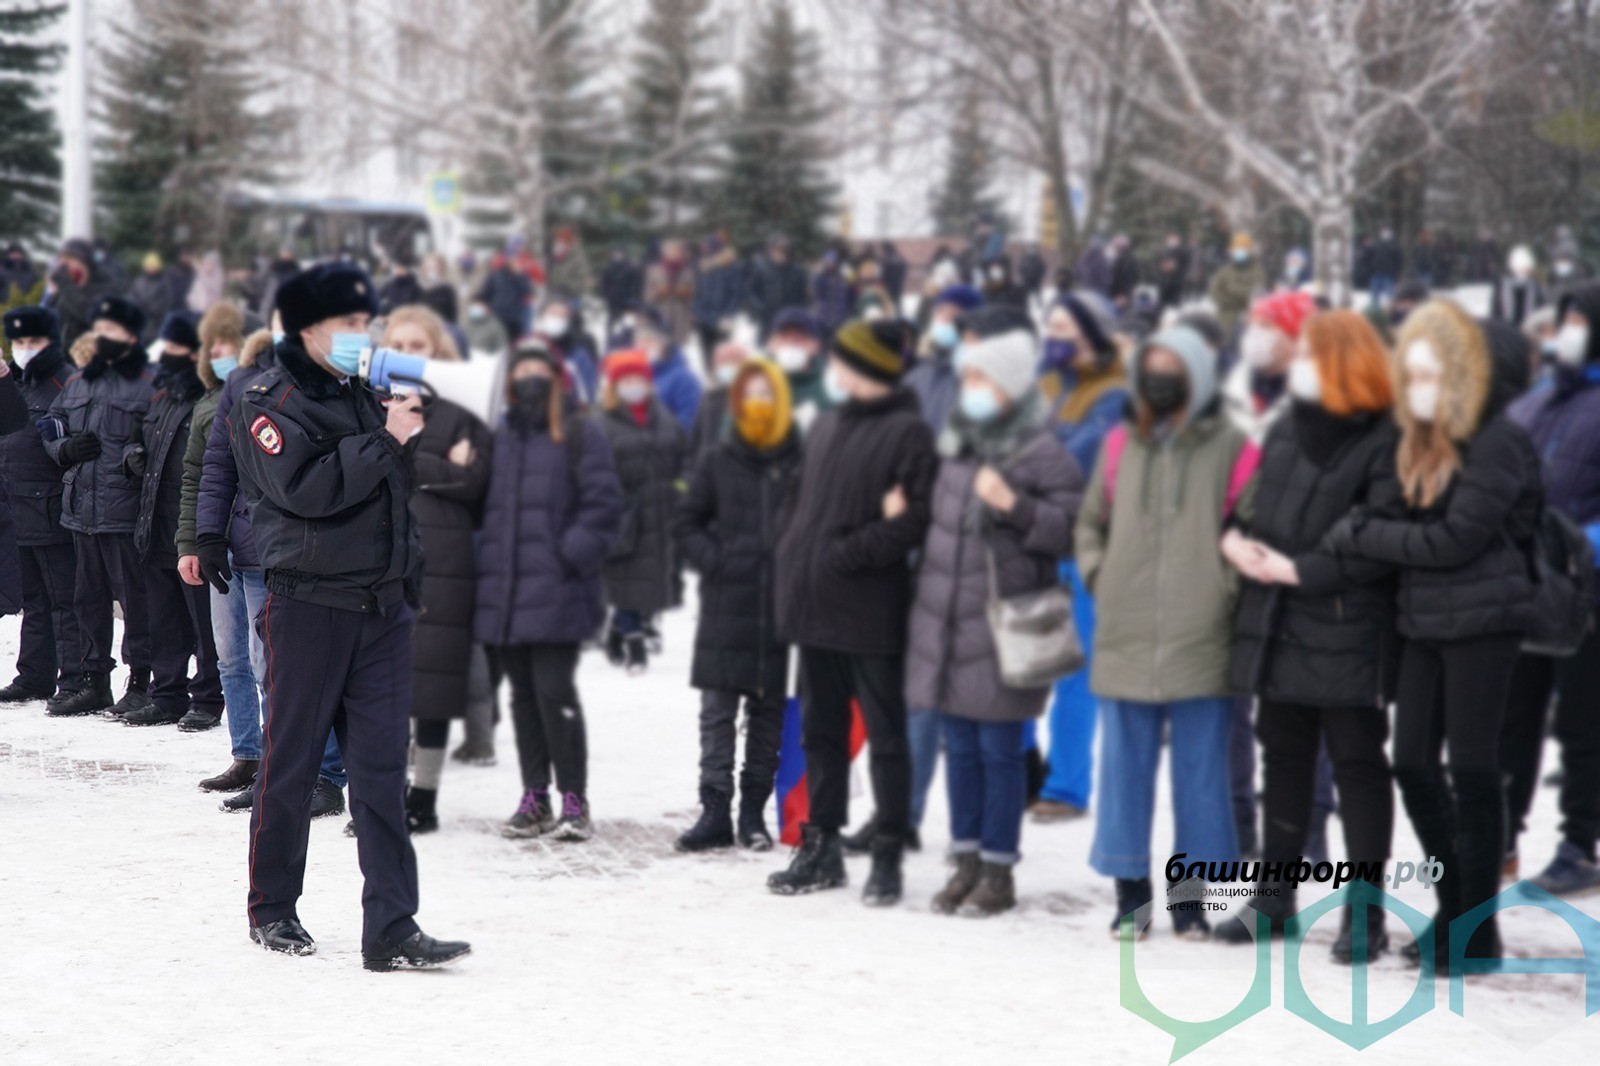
180,629
51,647
108,568
828,682
351,671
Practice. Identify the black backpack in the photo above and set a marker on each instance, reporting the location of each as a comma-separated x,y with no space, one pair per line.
1563,571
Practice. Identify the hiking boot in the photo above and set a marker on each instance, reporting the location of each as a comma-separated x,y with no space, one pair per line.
996,892
636,656
1132,893
135,697
884,883
153,714
715,827
287,936
421,817
419,951
1046,812
198,721
860,842
818,864
327,799
241,774
474,754
753,834
574,825
1570,873
961,884
17,692
1377,938
534,817
92,697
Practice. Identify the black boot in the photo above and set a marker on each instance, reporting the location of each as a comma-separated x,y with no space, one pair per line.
136,696
154,714
753,833
817,865
241,775
1377,938
715,827
636,654
1132,893
287,936
419,951
614,648
1433,818
884,884
327,799
92,697
860,842
17,692
198,721
421,815
1278,906
1480,850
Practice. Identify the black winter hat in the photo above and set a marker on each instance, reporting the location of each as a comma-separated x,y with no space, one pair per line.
993,320
325,291
124,313
876,349
79,249
32,321
179,328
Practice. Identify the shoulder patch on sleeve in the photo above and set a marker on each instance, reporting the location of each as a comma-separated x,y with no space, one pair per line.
265,432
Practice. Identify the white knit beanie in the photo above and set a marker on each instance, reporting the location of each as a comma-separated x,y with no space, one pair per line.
1009,359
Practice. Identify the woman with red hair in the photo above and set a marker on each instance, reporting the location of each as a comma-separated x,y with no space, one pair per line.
1314,636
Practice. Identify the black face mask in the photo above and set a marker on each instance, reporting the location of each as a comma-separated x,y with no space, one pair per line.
109,351
1165,393
532,394
175,364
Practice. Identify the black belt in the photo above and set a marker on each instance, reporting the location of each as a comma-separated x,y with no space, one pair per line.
332,592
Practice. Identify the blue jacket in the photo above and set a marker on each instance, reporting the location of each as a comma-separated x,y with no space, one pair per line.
1083,439
1563,420
677,387
220,509
938,388
719,293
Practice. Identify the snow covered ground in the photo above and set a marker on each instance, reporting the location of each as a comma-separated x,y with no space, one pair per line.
122,908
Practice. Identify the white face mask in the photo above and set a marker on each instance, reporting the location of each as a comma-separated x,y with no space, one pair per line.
726,372
1423,400
1304,382
1572,345
551,325
633,391
791,358
1259,347
24,356
1421,358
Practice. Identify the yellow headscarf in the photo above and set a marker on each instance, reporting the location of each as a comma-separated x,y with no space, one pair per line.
762,425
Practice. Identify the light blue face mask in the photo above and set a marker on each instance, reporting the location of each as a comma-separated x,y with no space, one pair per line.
345,355
224,366
979,404
835,391
944,335
277,337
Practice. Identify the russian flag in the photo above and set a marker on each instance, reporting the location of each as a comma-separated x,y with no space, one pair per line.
794,799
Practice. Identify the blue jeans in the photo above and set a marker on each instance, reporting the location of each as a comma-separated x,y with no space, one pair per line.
922,732
1072,715
988,780
241,660
1130,754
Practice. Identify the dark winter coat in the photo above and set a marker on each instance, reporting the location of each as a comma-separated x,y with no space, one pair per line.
75,303
29,478
650,460
728,527
194,460
399,291
108,402
445,503
549,522
165,437
938,388
621,284
951,663
507,293
1330,641
712,425
773,288
844,576
720,291
833,299
10,563
222,509
155,294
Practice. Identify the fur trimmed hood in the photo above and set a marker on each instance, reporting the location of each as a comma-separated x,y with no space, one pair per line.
1464,386
224,322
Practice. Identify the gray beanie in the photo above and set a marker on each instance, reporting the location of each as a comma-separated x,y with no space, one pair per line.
1011,360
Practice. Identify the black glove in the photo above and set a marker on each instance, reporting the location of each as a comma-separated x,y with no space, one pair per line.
212,551
135,462
79,448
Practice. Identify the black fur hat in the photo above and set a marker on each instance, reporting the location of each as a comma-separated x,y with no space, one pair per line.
325,291
123,312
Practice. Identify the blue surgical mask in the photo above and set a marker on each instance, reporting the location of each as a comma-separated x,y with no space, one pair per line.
277,337
836,392
944,335
345,355
726,372
1058,354
979,403
224,366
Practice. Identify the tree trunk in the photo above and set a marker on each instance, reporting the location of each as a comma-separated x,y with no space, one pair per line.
1332,232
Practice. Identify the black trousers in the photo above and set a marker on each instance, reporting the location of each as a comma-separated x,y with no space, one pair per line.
1290,735
828,682
351,672
180,630
719,743
547,715
51,648
1456,694
433,732
1575,684
108,568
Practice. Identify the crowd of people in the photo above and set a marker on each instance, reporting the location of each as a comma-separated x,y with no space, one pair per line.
1358,546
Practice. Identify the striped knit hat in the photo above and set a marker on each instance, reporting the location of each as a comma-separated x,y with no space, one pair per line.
875,349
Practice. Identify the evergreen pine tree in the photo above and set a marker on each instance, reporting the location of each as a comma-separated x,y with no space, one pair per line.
184,126
774,181
669,102
30,166
969,170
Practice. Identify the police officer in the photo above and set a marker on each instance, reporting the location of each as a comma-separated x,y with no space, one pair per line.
50,655
94,425
326,474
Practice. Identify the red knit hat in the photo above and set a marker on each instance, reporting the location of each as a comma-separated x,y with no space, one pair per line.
627,363
1286,310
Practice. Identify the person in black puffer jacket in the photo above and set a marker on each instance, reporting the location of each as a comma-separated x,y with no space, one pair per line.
1314,633
93,425
1471,485
49,656
180,613
651,450
844,587
452,471
728,528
